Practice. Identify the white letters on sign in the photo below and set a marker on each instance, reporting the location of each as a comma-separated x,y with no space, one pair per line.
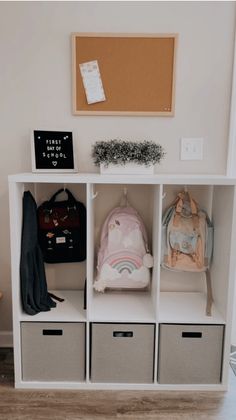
92,82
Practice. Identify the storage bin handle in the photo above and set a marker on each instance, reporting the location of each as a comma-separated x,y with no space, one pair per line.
52,332
126,334
191,334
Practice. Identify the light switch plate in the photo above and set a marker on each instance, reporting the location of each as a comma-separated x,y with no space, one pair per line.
192,148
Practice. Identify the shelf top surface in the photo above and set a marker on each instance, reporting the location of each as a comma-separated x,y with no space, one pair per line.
173,307
187,308
71,310
122,307
77,178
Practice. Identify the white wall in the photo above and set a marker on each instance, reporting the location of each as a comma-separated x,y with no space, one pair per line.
35,86
233,339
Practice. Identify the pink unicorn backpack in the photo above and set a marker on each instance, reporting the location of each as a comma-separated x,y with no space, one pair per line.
124,260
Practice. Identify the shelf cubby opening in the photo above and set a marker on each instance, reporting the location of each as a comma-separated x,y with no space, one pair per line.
124,304
185,292
65,280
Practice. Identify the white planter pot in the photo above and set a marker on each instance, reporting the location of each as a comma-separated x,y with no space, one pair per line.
127,169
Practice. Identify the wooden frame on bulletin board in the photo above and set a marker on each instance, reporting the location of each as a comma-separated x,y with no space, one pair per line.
137,72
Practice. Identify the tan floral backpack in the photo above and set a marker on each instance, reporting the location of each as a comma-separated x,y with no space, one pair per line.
187,240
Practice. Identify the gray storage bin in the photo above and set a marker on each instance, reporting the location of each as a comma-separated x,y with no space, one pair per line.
190,354
53,351
122,353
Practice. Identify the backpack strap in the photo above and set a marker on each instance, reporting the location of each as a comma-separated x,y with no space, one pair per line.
174,257
56,297
178,209
209,293
196,260
194,210
72,202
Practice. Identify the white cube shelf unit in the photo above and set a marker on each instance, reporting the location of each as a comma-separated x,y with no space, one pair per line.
174,302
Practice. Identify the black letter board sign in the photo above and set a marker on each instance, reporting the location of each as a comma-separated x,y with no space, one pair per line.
53,151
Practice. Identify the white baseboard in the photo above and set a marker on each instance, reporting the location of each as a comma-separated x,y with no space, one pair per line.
6,339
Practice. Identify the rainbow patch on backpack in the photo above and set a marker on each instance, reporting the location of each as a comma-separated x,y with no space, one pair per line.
125,263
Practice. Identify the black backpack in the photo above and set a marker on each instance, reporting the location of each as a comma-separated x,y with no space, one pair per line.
62,229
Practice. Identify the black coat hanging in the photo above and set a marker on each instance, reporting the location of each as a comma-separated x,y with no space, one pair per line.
34,292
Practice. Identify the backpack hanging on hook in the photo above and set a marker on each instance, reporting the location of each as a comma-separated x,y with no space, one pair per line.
187,239
62,229
124,260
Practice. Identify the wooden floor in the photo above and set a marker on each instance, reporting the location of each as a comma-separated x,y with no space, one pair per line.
125,405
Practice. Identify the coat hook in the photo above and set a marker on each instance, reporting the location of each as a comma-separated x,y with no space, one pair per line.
125,195
94,195
124,198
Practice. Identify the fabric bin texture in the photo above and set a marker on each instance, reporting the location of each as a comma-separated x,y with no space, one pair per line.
190,354
53,351
122,353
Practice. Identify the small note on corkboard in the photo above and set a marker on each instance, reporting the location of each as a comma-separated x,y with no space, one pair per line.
137,72
92,82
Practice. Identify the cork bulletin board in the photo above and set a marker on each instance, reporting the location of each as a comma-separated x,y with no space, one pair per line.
137,73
